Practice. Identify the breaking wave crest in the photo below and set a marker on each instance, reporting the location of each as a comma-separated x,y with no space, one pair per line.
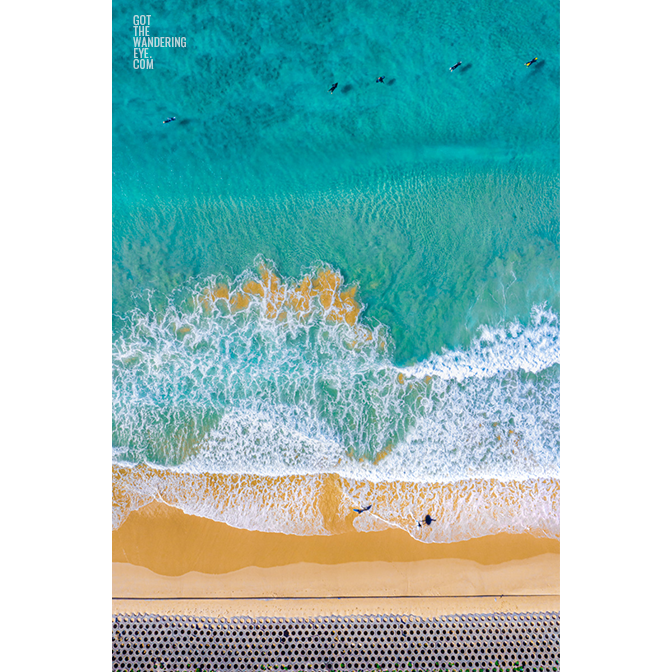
266,378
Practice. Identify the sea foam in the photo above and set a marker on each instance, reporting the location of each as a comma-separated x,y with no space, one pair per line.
531,348
276,378
326,504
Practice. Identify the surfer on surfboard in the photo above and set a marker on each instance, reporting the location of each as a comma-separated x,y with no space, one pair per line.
529,63
366,508
333,88
167,121
456,65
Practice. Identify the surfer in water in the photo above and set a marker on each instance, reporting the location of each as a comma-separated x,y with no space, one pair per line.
380,79
167,121
366,508
529,63
333,88
456,65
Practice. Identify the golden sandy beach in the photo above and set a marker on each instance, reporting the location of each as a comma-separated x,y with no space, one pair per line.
160,552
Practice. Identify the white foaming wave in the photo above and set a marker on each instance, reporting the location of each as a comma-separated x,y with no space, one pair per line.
467,510
281,399
474,509
117,453
265,505
262,507
498,349
277,398
266,444
505,428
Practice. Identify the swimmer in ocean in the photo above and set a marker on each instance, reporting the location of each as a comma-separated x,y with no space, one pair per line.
529,63
167,121
456,65
380,79
333,88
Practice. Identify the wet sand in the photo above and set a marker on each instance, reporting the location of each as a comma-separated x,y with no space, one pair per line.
166,560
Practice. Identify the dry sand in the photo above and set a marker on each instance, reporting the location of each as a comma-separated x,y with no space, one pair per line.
165,561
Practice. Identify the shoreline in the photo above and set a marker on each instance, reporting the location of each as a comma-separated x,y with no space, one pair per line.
164,559
320,505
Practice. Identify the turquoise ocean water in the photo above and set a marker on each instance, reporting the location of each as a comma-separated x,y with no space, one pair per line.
435,194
